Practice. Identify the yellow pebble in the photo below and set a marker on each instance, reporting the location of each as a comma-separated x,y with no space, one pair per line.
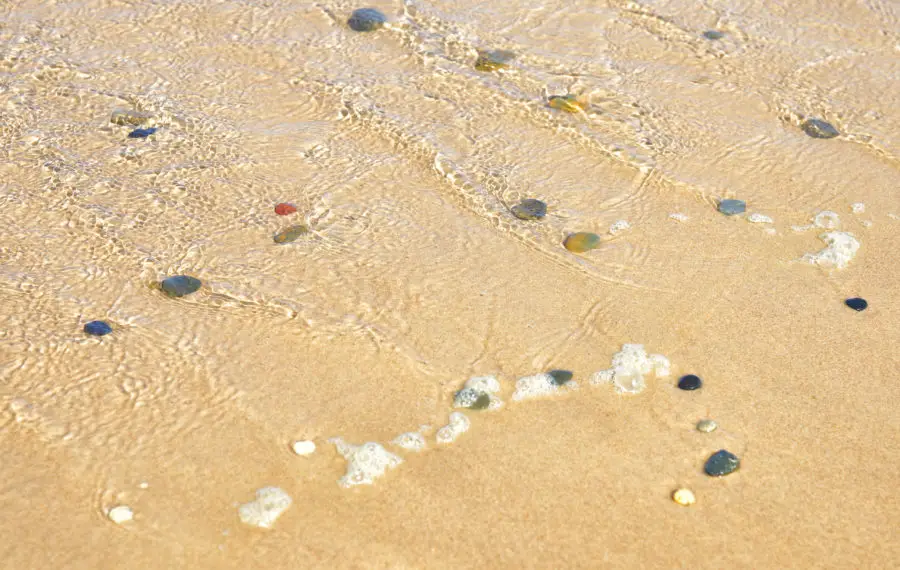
684,497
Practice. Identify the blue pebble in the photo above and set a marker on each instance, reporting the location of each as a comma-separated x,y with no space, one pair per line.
141,133
857,304
97,328
731,207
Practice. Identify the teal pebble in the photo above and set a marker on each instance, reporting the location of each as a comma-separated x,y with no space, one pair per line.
731,207
180,285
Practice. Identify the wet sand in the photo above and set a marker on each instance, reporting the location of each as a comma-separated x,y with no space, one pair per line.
404,160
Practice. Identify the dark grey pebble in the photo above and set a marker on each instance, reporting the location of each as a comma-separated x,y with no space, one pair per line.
180,285
721,463
690,382
560,377
713,35
857,304
366,20
819,129
530,209
731,207
97,328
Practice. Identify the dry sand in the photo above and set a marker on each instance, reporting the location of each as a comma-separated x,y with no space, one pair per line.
404,160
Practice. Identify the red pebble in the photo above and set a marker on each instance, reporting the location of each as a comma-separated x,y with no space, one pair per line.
284,209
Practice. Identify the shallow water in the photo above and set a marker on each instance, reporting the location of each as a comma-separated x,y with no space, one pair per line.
404,161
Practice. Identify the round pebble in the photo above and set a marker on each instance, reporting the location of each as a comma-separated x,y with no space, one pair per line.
303,447
721,463
567,103
690,382
713,35
857,303
530,209
141,133
120,514
366,20
180,285
560,377
493,60
97,328
707,426
819,129
481,402
684,497
283,209
731,207
291,234
581,242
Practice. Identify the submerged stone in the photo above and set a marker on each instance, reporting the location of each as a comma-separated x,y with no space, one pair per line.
560,377
819,129
291,234
568,103
366,20
731,207
129,117
530,209
141,133
707,426
481,402
857,303
283,209
581,242
721,463
690,382
180,285
97,328
493,60
713,35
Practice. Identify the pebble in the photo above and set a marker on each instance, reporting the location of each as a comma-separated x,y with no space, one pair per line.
568,103
560,377
180,285
713,35
819,129
721,463
690,382
291,234
366,20
129,117
684,497
581,242
120,514
283,209
97,328
530,209
141,133
707,426
857,303
493,60
731,207
304,447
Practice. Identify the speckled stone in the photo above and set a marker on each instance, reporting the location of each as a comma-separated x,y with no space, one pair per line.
97,328
857,303
284,209
291,234
129,117
493,60
141,133
732,207
690,382
561,377
180,285
366,20
721,463
530,209
819,129
713,35
707,426
567,103
581,242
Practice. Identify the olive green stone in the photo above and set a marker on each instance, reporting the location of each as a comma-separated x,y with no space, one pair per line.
180,285
819,129
493,60
713,35
481,403
732,207
722,463
567,103
530,209
291,234
707,426
129,117
560,377
581,242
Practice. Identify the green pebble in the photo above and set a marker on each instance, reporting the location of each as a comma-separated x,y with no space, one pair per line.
560,377
567,103
530,209
722,463
180,285
581,242
493,60
291,234
732,207
819,129
713,35
707,426
481,403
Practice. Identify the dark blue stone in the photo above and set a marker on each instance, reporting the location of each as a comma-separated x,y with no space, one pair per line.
141,133
690,382
560,377
180,285
721,463
97,328
857,304
366,20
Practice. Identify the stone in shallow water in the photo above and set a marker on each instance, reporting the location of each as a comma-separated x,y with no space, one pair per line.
713,35
857,303
180,285
707,426
283,209
269,504
366,20
721,463
568,103
581,242
291,234
530,209
141,133
97,328
690,382
560,377
819,129
493,60
129,117
731,207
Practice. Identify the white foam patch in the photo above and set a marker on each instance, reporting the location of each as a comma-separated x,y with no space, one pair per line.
540,385
410,441
270,503
458,425
678,217
619,227
760,219
365,462
826,219
841,248
474,388
858,208
629,366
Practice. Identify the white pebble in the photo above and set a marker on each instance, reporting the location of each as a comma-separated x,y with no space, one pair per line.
365,462
760,219
264,511
858,207
458,425
120,514
303,447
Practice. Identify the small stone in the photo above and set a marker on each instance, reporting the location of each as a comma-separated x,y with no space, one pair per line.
707,426
120,514
366,20
684,497
129,117
283,209
857,303
567,103
819,129
493,60
560,377
141,133
690,382
713,35
530,209
721,463
291,234
731,207
180,285
97,328
303,447
581,242
481,402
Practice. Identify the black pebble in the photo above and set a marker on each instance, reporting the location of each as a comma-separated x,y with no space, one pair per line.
366,20
713,35
690,382
560,377
97,328
857,304
141,133
721,463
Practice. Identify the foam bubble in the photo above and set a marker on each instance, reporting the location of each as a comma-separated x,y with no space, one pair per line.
618,227
364,462
458,425
858,208
629,366
679,217
474,388
841,247
760,219
270,503
410,441
827,220
539,385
